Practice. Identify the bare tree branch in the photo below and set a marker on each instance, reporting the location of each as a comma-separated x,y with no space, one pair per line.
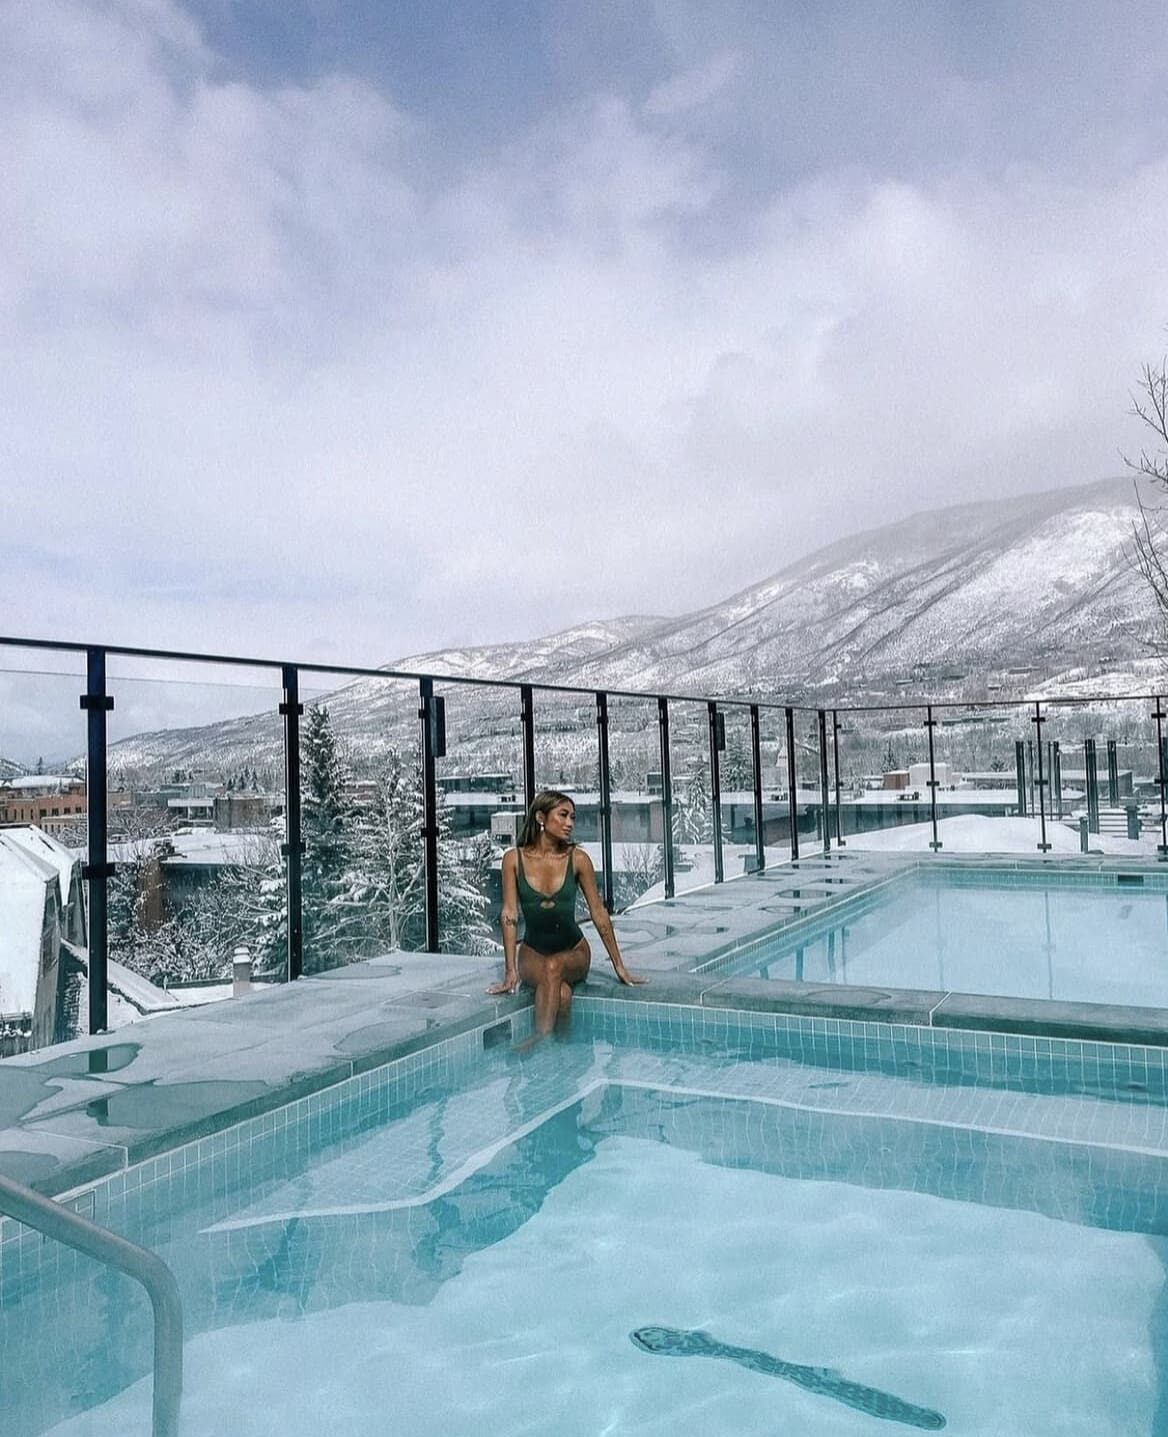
1149,404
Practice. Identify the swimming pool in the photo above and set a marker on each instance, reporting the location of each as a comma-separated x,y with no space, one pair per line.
1074,938
957,1226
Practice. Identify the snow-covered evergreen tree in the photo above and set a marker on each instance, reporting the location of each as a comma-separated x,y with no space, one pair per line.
256,896
692,817
736,764
386,891
326,824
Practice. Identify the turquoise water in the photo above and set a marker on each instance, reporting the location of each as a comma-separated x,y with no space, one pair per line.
1086,944
473,1257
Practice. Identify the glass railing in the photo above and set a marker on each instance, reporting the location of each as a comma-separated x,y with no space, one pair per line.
694,848
194,797
636,799
387,830
43,848
362,879
480,805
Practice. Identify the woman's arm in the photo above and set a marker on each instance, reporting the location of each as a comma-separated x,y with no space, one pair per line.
586,877
509,922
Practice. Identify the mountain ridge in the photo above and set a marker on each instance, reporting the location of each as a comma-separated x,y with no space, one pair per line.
945,604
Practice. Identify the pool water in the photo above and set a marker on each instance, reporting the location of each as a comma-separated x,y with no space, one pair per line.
1084,944
475,1257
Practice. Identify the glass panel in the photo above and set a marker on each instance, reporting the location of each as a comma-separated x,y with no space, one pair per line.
480,797
736,782
567,753
195,821
638,815
1124,815
363,871
883,780
43,812
977,782
773,751
693,814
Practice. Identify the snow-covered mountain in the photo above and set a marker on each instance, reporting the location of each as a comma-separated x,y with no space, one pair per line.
1044,582
1036,593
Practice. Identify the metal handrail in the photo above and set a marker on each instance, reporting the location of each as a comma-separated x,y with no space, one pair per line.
736,700
64,1225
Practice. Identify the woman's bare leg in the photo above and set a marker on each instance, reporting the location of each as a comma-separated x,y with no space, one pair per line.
552,976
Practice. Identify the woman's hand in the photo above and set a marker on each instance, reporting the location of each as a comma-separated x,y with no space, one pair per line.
631,980
509,984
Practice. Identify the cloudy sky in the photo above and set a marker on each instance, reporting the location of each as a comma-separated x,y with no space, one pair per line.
339,330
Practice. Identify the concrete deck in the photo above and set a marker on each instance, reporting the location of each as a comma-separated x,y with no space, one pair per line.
81,1110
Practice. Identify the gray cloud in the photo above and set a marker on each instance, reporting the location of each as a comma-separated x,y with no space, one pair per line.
276,384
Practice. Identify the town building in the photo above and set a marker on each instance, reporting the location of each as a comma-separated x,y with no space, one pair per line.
43,940
50,802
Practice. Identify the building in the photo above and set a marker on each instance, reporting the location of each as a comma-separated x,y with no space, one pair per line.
43,940
48,801
243,809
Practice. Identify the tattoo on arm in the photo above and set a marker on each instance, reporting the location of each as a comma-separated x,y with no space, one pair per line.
508,921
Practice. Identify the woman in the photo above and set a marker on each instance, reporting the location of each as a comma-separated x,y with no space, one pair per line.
540,877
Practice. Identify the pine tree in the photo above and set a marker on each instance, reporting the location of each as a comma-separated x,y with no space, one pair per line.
326,821
385,901
736,765
692,819
256,893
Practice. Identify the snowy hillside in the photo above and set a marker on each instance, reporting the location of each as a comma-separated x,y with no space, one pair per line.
1033,594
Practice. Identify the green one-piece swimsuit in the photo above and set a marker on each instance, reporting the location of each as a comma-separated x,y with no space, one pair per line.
549,919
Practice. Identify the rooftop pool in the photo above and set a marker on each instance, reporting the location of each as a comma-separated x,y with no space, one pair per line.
676,1220
1084,938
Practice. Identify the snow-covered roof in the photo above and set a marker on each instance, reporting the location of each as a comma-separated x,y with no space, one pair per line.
36,842
24,878
206,847
147,997
45,782
197,846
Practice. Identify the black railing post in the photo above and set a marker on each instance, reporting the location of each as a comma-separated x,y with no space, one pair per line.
1092,776
1050,778
1112,774
717,742
428,710
835,733
527,724
824,789
792,786
293,846
1056,777
605,797
1038,720
1020,769
756,760
1161,778
930,725
666,794
97,703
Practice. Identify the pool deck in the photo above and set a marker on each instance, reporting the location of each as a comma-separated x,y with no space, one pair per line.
79,1111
